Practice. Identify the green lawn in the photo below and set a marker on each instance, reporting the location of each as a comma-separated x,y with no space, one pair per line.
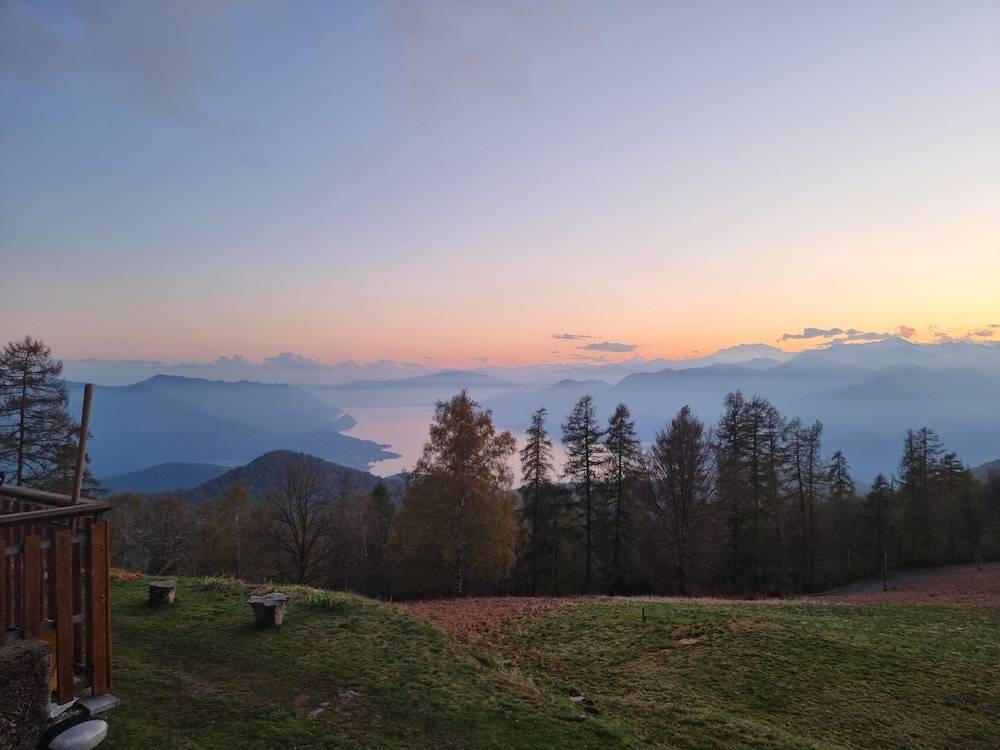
197,674
777,675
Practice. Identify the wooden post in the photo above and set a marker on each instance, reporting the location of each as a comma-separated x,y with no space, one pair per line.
99,625
81,453
32,586
62,542
885,570
162,592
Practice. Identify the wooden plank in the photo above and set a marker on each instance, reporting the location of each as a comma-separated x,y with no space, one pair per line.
107,587
100,657
32,587
77,598
64,614
4,592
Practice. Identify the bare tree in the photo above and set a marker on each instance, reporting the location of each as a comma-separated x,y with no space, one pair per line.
299,523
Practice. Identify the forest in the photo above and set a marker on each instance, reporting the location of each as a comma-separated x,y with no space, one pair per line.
753,505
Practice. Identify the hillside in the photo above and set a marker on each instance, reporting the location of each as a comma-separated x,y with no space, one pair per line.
990,467
264,471
168,419
342,672
346,672
163,477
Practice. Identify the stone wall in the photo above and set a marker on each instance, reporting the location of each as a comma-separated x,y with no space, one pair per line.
24,693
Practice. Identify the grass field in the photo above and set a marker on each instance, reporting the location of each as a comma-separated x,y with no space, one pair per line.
347,672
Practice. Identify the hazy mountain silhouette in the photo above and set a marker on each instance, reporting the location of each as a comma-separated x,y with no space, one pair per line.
172,419
163,478
264,472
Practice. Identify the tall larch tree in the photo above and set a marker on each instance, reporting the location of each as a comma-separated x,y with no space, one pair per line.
37,436
536,474
918,470
623,455
808,477
584,455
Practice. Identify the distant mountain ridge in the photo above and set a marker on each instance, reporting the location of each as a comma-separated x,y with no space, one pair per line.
990,467
170,419
173,475
264,472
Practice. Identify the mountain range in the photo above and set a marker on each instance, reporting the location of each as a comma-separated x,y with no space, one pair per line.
191,420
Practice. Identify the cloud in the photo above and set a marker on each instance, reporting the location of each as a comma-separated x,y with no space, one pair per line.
985,333
906,332
571,336
813,333
853,334
237,360
154,55
292,361
609,346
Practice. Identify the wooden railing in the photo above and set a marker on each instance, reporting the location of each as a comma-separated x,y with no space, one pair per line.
55,574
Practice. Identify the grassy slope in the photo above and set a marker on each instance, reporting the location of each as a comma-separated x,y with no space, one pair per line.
777,675
198,675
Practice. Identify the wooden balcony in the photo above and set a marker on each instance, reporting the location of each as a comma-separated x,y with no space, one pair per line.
55,576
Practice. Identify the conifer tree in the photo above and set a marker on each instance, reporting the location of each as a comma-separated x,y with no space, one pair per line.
37,436
584,455
536,471
838,478
623,454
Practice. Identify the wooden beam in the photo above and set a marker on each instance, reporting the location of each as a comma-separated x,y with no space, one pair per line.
100,625
32,586
64,614
81,453
54,514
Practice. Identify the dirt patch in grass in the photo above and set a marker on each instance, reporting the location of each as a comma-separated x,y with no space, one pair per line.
965,588
482,620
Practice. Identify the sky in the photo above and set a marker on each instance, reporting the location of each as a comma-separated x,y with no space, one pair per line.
470,182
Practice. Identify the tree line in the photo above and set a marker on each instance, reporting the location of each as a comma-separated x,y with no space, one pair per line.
752,504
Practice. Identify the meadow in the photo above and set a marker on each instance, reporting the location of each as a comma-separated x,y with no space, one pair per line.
349,672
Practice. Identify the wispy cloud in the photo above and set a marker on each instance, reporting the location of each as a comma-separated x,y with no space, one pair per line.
571,336
152,54
853,334
906,332
813,333
609,346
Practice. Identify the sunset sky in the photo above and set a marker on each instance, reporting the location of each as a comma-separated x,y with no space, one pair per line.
454,182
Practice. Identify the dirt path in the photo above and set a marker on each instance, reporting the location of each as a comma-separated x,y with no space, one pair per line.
963,585
483,619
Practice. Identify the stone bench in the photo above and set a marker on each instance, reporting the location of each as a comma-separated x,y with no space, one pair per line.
268,609
162,592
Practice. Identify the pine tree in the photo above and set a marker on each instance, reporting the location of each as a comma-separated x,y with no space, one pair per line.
37,436
879,503
536,471
584,454
918,469
623,454
839,480
808,478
